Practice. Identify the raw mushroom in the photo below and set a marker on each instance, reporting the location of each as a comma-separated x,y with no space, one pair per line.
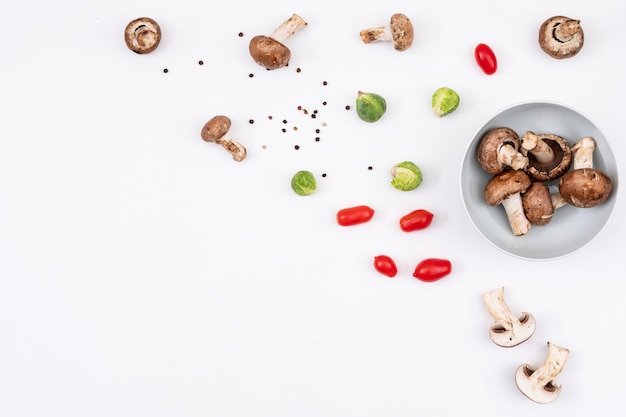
538,384
269,51
505,188
142,35
215,130
585,186
537,203
399,32
549,156
561,37
508,330
499,149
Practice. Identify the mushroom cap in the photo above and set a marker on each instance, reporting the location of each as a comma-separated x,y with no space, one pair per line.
528,387
215,129
505,184
401,32
585,187
142,35
268,52
513,337
537,203
564,47
490,145
560,165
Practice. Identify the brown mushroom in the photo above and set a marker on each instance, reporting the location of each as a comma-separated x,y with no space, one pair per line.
538,383
505,188
561,37
142,35
585,186
270,51
399,32
537,203
549,156
498,149
215,130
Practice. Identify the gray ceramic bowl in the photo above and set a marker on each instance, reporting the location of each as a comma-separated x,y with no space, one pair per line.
571,228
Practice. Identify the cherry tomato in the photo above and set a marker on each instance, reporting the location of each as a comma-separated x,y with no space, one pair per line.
485,58
432,269
385,265
354,215
416,220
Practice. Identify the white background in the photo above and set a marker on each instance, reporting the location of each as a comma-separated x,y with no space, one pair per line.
145,273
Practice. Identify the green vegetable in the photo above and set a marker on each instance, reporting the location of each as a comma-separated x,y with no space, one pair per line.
303,183
406,176
445,101
370,107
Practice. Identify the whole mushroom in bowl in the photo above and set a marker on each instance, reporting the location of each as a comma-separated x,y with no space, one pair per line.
506,188
499,149
549,155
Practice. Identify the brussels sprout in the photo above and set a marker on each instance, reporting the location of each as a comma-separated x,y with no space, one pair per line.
370,107
406,176
445,101
303,183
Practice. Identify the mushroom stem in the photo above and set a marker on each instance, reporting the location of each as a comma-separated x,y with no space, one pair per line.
583,152
542,152
508,330
509,156
557,200
237,150
565,31
538,384
379,33
288,28
514,210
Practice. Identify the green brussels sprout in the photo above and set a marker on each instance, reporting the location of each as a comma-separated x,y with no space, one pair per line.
445,101
370,107
303,183
406,176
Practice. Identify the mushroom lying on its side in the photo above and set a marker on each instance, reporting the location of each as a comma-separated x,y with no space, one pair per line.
498,149
399,32
505,188
585,186
269,51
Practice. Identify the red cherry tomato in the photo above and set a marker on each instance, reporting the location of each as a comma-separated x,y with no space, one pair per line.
432,269
416,220
485,58
354,215
385,265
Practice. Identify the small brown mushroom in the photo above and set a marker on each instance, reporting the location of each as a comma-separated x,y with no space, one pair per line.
537,203
585,186
269,51
499,149
549,156
561,37
142,35
538,383
399,32
215,130
505,188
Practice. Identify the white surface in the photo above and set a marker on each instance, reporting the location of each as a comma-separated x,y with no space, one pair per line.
145,273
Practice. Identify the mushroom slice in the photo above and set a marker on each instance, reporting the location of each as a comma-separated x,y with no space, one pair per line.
505,188
585,186
549,155
399,32
561,37
508,330
538,383
537,203
499,149
269,51
142,35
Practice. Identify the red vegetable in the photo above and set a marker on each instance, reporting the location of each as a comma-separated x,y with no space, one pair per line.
354,215
432,269
385,265
416,220
485,58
